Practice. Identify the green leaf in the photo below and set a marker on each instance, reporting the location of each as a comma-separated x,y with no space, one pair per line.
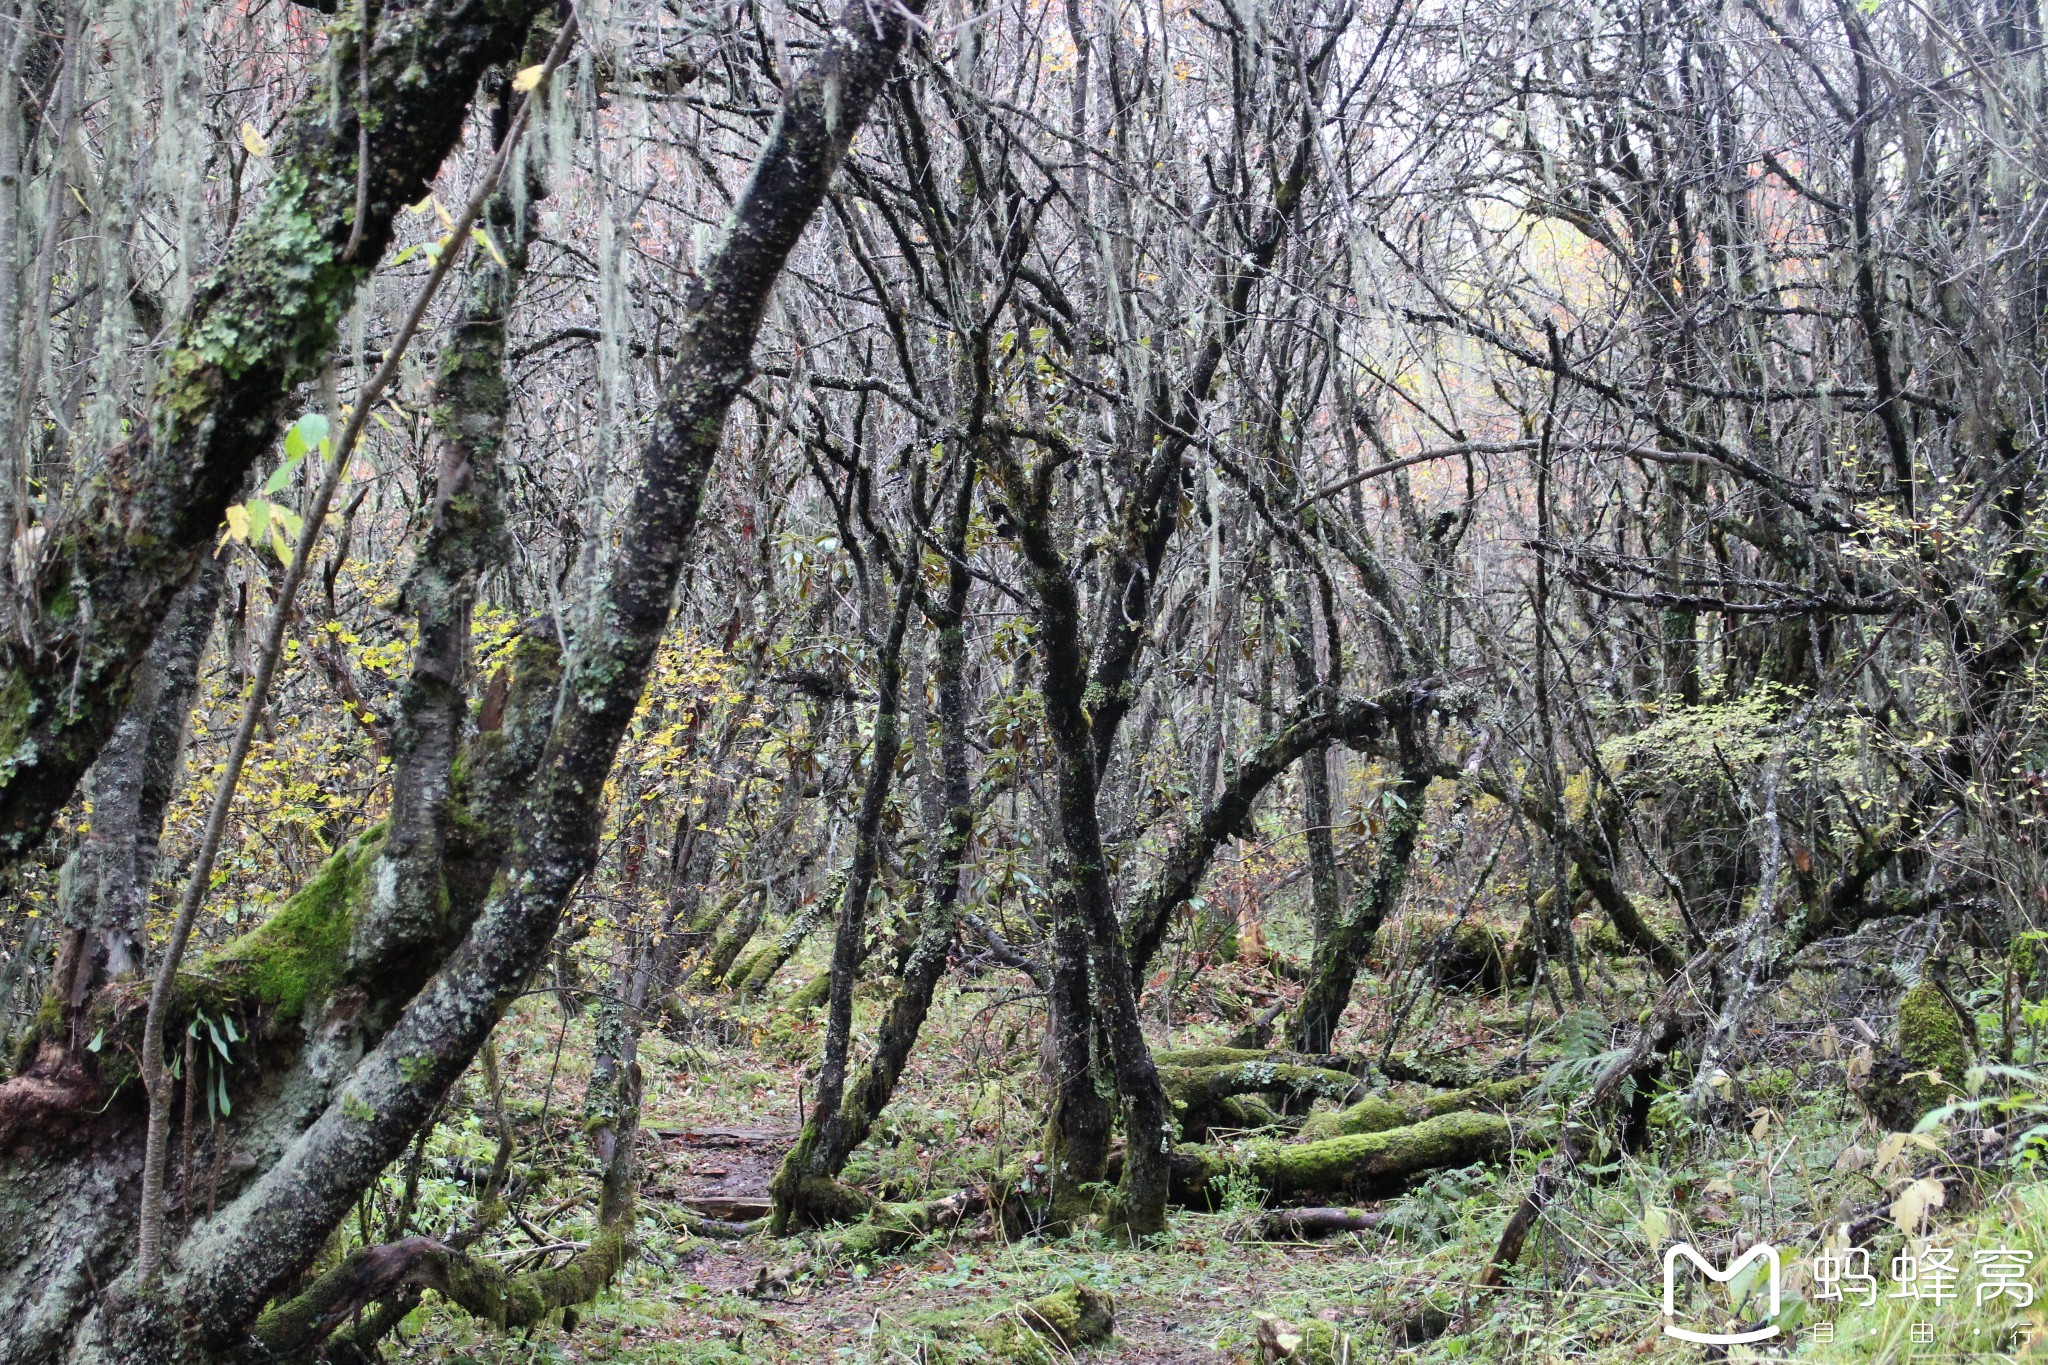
220,1044
99,1041
258,519
281,546
220,1079
276,482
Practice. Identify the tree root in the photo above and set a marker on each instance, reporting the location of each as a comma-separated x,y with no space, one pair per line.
479,1288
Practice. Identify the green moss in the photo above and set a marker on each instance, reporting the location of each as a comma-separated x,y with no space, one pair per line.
1311,1342
297,955
1361,1165
1926,1068
1053,1325
1373,1114
812,993
1931,1037
1380,1113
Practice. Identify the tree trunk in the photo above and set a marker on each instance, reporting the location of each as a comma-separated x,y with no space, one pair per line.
822,1151
1336,964
127,542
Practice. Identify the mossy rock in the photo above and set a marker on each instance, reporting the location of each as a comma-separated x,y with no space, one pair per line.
1053,1325
1925,1069
1310,1342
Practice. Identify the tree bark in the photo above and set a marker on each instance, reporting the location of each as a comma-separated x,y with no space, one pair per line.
822,1151
1335,967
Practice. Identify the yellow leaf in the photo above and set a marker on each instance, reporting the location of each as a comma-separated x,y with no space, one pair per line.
1656,1224
483,239
446,221
253,142
238,522
1912,1206
526,80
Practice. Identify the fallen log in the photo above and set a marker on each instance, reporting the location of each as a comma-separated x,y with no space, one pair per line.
1200,1093
1303,1225
1378,1113
1362,1165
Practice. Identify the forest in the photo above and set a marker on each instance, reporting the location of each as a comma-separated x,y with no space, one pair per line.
1023,680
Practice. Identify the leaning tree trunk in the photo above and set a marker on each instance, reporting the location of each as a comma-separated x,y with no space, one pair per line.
1337,961
391,1038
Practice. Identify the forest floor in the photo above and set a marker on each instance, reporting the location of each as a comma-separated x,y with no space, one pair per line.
723,1094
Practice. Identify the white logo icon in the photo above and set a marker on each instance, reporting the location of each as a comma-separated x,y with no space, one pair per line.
1763,1251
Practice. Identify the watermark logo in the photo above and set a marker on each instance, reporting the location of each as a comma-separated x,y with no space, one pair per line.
1762,1252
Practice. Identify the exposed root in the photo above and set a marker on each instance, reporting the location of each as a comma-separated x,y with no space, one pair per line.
477,1287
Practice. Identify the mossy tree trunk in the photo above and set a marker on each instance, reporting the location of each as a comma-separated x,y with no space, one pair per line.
386,1038
1081,875
1339,957
126,542
106,886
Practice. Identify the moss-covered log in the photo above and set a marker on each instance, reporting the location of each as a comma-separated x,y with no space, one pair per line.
1378,1113
1199,1094
1304,1225
1361,1166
